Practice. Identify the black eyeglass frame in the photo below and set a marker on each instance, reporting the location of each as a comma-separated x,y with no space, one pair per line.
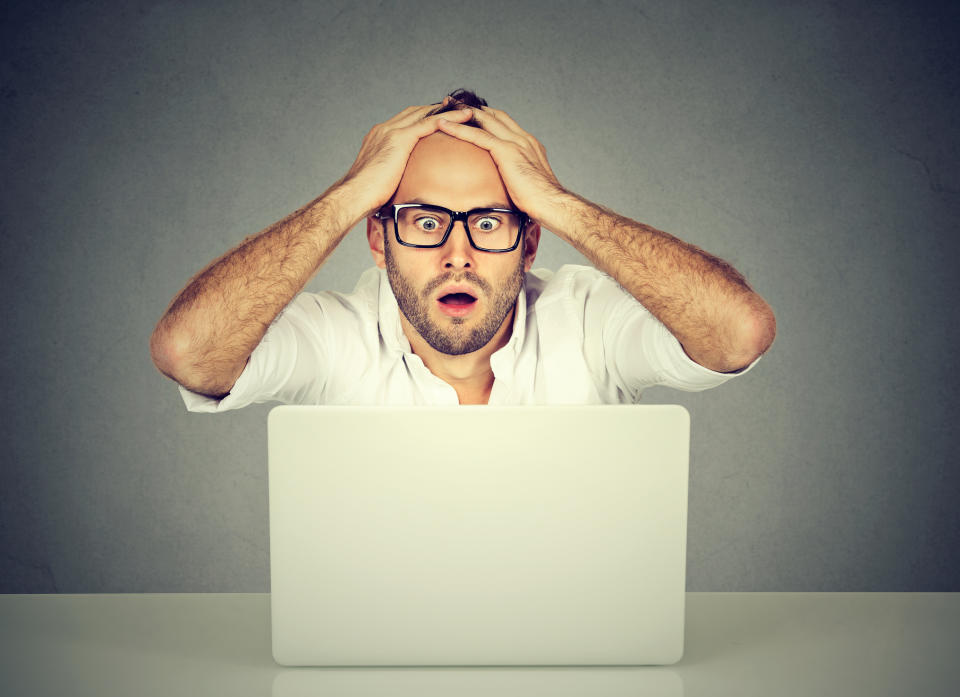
454,217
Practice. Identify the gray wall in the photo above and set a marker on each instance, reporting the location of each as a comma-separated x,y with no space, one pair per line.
812,144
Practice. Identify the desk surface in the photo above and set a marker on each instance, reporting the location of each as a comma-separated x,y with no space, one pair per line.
736,644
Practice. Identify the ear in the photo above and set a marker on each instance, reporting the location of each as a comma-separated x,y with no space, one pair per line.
375,239
531,241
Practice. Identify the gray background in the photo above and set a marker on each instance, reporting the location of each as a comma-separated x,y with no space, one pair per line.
812,144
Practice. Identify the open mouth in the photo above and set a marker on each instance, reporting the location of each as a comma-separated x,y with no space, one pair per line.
458,299
456,304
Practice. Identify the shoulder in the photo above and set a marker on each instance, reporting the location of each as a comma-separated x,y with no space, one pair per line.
361,303
571,282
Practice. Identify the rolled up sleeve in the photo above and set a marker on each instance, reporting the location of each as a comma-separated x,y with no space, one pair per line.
628,346
649,354
289,364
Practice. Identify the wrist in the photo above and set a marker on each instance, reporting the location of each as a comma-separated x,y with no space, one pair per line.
564,214
345,204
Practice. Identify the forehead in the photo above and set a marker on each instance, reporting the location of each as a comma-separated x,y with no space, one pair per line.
446,171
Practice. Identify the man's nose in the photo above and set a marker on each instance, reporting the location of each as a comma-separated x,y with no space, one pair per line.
457,251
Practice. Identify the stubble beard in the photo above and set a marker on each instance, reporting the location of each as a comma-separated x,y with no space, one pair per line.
455,340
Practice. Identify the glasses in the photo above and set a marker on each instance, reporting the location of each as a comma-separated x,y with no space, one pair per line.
426,227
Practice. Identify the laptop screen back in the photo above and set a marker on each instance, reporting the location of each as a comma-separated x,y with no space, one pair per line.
478,535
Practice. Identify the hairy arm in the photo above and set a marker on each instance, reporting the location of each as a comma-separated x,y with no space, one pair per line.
708,305
212,326
210,329
720,321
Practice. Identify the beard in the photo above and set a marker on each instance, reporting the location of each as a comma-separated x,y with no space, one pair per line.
455,339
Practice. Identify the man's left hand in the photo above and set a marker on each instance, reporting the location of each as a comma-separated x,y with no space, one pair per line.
720,322
520,157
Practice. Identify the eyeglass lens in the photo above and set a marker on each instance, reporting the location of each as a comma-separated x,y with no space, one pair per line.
489,229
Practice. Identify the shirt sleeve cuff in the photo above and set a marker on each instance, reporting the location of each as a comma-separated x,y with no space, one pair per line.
683,372
237,398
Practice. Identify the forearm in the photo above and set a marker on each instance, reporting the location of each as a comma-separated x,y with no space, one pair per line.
211,328
704,302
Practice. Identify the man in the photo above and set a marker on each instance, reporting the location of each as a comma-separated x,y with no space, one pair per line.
455,196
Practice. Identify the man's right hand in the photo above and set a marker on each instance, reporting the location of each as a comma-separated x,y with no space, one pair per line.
376,173
210,329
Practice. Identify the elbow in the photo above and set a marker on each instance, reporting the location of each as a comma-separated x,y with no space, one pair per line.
764,328
756,330
739,341
168,352
174,354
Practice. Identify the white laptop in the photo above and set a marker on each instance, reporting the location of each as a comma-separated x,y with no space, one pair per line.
478,535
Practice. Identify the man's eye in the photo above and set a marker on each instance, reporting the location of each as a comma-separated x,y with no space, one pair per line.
487,224
428,224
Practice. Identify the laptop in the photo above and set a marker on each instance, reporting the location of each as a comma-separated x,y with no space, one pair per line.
478,535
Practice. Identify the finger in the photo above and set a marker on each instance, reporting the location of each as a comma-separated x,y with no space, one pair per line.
403,118
424,115
426,126
409,126
477,136
407,111
505,118
491,120
411,114
490,123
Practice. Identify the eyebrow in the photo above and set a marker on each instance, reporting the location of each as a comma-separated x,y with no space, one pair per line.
495,204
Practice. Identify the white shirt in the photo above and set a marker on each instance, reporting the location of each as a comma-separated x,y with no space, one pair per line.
578,338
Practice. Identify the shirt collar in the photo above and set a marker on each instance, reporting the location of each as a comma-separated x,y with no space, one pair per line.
389,318
519,324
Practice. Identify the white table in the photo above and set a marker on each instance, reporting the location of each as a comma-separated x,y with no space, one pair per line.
776,644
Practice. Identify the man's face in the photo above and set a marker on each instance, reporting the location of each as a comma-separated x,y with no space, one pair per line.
434,287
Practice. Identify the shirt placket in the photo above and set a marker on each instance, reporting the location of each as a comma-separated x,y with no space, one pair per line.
503,364
434,390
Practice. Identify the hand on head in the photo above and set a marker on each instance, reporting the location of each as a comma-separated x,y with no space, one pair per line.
520,157
384,152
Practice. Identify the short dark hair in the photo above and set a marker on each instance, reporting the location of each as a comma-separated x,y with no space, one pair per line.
459,99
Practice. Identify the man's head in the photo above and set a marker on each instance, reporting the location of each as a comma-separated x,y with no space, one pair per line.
455,296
